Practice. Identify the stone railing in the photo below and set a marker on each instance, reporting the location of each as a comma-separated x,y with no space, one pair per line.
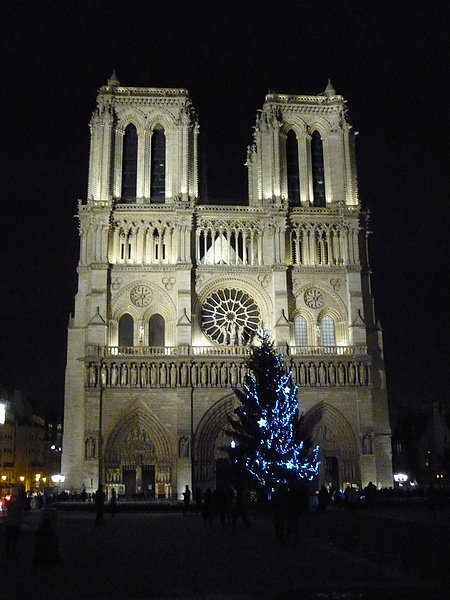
217,350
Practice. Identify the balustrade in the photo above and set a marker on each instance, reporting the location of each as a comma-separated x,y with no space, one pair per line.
228,372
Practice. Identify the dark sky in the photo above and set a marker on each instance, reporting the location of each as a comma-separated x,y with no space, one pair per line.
389,59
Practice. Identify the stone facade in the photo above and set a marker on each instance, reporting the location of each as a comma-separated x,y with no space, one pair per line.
171,292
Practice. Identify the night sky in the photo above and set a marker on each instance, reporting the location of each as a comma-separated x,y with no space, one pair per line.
390,60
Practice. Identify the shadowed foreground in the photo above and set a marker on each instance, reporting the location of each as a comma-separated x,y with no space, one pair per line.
338,554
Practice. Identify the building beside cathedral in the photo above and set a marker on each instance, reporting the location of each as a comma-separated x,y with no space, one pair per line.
172,290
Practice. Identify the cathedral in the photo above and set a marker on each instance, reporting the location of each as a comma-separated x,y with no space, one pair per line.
172,289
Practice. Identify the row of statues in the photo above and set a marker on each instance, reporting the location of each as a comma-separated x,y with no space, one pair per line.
218,375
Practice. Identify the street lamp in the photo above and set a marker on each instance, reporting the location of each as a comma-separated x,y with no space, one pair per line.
2,413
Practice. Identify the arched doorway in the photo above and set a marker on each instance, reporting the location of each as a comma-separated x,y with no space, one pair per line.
211,465
326,426
138,457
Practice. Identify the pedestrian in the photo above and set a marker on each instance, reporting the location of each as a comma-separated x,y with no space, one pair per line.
241,507
323,498
14,518
47,548
113,502
198,501
208,507
186,500
99,504
280,503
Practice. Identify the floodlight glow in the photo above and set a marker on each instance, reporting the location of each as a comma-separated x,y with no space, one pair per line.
400,477
2,413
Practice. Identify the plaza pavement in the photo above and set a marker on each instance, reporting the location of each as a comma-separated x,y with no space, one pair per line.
365,555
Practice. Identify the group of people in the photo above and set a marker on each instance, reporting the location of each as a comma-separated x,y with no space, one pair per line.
229,504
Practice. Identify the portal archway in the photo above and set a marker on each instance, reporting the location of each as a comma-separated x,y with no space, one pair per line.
138,457
327,427
210,437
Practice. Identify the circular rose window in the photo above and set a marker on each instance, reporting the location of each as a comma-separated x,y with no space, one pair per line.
230,316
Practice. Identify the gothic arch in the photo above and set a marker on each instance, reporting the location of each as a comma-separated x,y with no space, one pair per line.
295,124
160,302
327,427
138,435
131,117
209,430
162,119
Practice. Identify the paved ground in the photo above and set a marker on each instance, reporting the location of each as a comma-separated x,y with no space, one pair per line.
366,555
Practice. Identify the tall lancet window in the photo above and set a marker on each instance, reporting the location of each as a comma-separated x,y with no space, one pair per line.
293,173
318,175
126,330
129,164
156,331
301,331
327,331
158,166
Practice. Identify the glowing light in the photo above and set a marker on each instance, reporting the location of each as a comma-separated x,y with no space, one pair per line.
401,477
262,422
233,444
58,478
2,413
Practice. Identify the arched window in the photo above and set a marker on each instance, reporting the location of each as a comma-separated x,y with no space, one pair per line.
301,331
327,331
126,330
318,175
293,174
129,163
156,331
158,166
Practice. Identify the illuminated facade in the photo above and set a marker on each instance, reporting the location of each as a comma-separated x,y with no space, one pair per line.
171,292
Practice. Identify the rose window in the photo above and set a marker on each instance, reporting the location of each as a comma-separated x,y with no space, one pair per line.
230,316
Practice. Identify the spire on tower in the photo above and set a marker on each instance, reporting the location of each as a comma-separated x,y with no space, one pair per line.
113,81
329,90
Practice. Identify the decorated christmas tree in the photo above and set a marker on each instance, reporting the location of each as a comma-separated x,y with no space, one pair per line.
265,428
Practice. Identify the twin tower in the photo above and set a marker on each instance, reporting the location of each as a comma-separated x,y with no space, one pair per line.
172,290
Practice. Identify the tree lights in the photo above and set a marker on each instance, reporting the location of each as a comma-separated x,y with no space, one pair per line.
265,427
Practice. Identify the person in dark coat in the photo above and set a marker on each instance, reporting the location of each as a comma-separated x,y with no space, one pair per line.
186,500
99,504
47,547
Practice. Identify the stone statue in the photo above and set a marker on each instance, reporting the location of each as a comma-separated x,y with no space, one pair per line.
104,375
173,375
114,374
194,374
362,374
90,446
153,374
143,375
163,375
341,374
204,375
123,374
184,447
184,375
133,375
331,374
233,374
351,374
302,374
312,374
92,374
322,374
223,374
214,374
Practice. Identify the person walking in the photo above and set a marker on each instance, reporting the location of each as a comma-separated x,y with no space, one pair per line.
113,502
186,500
14,518
99,504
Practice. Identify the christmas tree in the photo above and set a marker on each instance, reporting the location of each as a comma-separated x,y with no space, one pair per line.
265,428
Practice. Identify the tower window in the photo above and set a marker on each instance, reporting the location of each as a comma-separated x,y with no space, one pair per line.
157,331
318,173
126,330
158,166
293,174
129,163
327,331
301,331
